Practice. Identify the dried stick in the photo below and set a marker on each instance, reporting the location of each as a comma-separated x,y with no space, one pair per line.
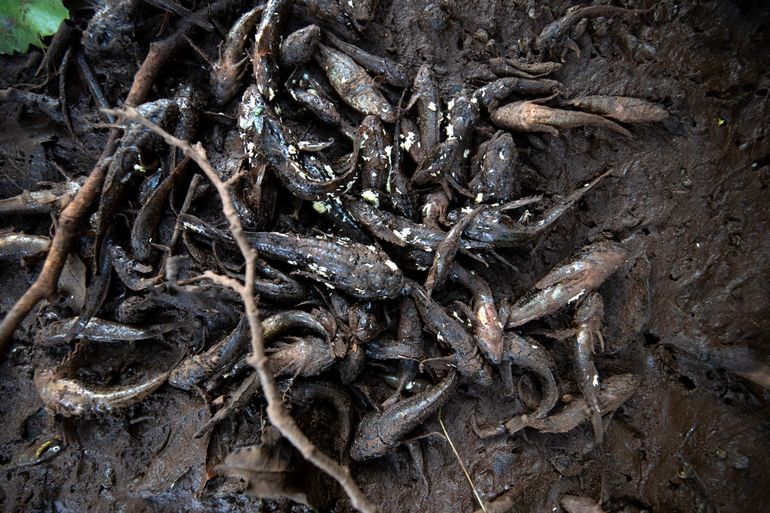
276,411
69,220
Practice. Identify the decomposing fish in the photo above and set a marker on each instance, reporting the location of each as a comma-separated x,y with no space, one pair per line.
226,72
71,397
299,47
353,84
391,72
549,35
380,432
588,322
267,47
615,391
528,116
21,245
102,330
568,282
620,108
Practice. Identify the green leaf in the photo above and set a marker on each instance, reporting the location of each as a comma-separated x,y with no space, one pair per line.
24,22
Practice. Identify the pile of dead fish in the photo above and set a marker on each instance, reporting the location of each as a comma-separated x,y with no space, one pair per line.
369,200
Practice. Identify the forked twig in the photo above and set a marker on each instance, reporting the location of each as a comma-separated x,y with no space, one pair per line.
276,411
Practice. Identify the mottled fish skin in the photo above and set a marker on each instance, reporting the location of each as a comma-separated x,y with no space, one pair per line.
267,47
225,73
615,391
70,397
498,90
391,72
528,116
428,101
588,323
620,108
265,138
467,358
549,35
101,330
299,47
495,179
364,272
568,282
18,245
195,369
354,85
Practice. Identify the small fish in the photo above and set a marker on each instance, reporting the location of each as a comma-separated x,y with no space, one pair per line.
527,116
380,432
70,397
620,108
354,85
20,245
568,282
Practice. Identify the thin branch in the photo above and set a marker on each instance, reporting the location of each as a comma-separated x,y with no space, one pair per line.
276,411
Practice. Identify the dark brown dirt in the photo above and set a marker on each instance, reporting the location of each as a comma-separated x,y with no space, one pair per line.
694,437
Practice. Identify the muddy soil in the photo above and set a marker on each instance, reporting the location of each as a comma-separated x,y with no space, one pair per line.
689,314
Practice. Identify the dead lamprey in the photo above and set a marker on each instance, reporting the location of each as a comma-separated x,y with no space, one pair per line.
364,272
568,282
70,397
380,432
354,85
620,108
614,392
528,116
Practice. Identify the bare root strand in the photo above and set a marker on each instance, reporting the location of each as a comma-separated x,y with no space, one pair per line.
276,411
